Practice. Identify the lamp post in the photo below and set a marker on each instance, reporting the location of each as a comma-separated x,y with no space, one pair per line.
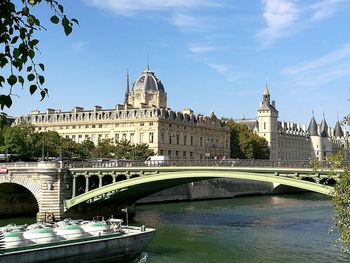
207,154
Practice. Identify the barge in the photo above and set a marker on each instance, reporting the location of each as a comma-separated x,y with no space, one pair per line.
74,241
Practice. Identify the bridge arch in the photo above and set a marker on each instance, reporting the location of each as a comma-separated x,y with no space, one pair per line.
139,187
31,185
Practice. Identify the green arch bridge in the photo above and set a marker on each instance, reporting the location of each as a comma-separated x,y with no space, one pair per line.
138,182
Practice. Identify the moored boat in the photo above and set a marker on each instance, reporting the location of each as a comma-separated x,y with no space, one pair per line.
74,240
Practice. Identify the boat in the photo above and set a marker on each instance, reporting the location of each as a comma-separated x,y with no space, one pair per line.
70,240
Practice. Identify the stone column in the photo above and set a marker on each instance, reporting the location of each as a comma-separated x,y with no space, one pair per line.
86,183
100,180
74,186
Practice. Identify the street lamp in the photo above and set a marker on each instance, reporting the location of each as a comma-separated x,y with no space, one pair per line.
207,154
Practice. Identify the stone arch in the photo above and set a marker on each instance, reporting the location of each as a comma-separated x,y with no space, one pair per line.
27,183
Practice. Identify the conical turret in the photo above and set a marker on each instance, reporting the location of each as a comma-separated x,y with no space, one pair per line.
324,128
338,132
313,127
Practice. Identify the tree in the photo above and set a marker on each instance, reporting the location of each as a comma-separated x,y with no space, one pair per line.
104,149
16,140
85,149
18,46
245,144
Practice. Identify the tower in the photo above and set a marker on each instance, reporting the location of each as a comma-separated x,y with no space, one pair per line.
148,91
267,123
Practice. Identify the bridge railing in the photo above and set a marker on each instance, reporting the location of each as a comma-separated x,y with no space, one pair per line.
198,163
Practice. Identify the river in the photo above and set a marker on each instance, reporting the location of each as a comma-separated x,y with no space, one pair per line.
261,229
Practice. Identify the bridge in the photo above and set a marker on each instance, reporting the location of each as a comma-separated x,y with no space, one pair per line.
59,188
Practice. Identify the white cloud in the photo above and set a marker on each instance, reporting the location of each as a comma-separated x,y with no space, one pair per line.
80,45
326,8
328,68
223,69
187,22
324,61
203,49
127,7
280,16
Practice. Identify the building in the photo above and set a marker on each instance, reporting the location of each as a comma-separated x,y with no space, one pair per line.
143,118
294,142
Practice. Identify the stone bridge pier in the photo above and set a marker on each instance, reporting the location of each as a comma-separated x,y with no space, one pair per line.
48,183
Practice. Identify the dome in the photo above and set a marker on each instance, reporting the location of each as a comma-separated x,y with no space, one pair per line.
148,81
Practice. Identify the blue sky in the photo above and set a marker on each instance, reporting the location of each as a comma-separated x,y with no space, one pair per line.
211,55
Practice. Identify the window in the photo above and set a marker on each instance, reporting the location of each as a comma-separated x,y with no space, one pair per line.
132,136
184,154
177,139
185,139
116,137
124,137
169,153
162,137
100,125
141,137
264,125
151,137
92,137
201,141
191,140
161,152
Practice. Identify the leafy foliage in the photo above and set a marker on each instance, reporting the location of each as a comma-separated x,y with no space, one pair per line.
23,141
245,144
341,202
18,46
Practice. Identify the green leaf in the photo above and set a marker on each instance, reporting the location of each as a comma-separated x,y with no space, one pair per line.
29,69
31,54
12,80
21,80
31,77
14,39
65,21
75,21
41,79
67,30
43,94
5,100
33,42
16,52
60,7
41,65
25,10
32,89
54,19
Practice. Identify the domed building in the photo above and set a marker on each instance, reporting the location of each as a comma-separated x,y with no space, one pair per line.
144,117
148,90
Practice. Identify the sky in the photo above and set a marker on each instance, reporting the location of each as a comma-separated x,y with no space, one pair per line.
211,55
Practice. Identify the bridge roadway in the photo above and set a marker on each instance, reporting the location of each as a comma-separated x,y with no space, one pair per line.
59,188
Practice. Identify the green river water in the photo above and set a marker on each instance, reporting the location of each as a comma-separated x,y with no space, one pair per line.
276,229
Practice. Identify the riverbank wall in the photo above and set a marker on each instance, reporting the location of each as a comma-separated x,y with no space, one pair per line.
215,189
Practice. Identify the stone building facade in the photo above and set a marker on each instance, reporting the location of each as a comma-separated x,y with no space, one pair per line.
290,141
143,118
